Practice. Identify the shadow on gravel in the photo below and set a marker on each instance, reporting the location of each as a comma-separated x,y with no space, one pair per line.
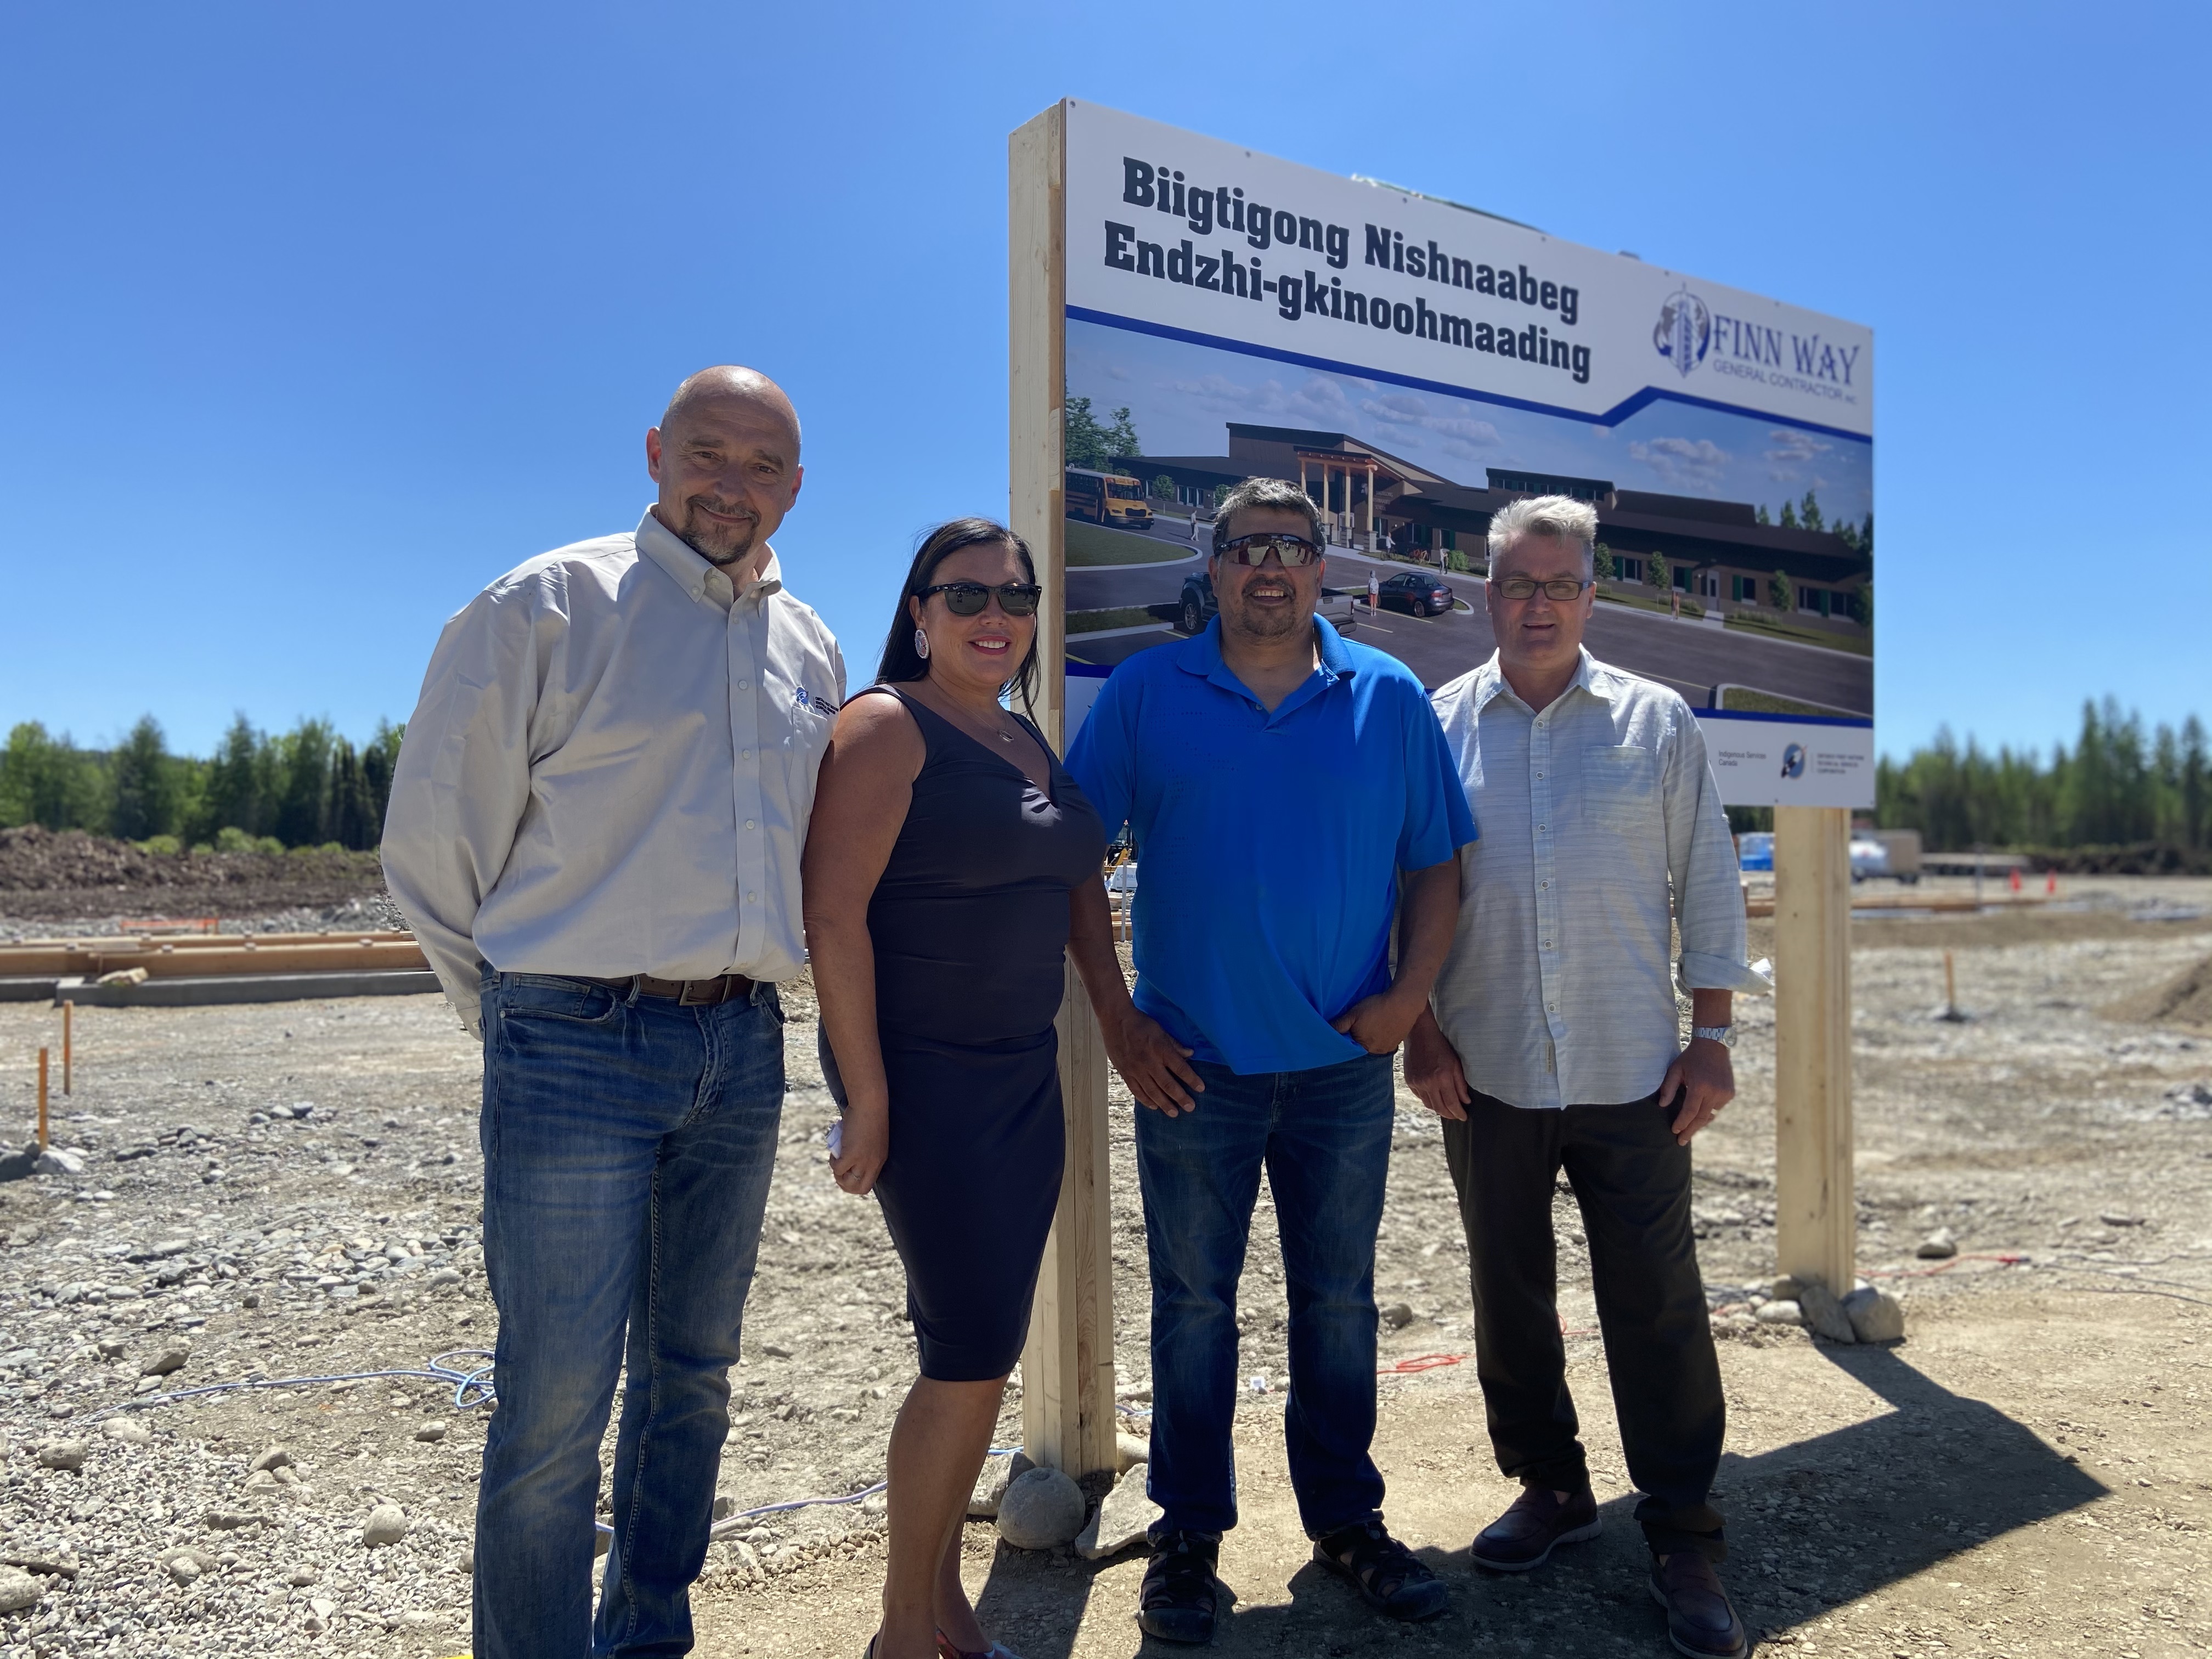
1811,1526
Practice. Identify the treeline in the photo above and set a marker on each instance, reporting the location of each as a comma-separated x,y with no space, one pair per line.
306,787
2119,785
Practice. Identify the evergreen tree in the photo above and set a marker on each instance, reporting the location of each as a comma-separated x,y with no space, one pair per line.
235,800
1808,511
378,759
145,783
2194,785
1789,520
351,819
303,792
1759,513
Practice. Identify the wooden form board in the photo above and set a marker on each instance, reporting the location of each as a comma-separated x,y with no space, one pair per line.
1068,1367
1816,1215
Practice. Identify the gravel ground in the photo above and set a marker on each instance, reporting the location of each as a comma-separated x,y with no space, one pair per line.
290,1190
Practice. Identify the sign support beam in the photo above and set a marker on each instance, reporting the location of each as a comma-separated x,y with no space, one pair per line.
1068,1367
1815,1204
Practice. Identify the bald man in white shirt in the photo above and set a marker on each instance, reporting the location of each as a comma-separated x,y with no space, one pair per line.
595,829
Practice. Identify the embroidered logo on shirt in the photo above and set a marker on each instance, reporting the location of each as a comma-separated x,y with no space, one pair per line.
802,698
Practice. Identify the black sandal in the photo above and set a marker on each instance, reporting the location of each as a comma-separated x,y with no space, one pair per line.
1180,1592
1390,1577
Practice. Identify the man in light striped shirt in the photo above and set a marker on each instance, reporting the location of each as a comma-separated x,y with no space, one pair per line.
1553,1043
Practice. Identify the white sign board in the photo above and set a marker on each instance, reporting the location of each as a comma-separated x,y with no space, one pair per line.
1416,364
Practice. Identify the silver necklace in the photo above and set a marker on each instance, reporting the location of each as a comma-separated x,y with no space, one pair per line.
961,719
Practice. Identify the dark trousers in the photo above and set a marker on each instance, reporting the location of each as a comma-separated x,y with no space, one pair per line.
1632,1183
1323,1138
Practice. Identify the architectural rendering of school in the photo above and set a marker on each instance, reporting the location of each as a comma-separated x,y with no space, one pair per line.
1717,553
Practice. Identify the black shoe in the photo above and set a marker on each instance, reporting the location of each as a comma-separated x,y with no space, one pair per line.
1525,1534
1699,1621
1390,1577
1180,1590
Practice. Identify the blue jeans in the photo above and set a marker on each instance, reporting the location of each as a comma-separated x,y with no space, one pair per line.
627,1143
1324,1137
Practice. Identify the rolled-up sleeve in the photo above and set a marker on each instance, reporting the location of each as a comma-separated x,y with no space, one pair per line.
1701,861
461,785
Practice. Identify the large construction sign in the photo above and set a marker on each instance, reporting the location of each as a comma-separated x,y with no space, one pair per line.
1184,314
1415,365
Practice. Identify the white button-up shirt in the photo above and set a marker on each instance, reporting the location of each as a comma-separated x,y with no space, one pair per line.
611,769
1557,991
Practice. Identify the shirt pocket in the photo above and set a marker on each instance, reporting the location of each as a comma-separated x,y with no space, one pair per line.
1619,789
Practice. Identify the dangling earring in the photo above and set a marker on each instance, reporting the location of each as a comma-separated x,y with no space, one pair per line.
921,645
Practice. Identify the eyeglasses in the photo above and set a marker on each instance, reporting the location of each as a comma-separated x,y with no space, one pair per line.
968,598
1292,551
1524,587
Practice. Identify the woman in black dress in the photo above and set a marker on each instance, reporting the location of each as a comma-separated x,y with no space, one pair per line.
945,845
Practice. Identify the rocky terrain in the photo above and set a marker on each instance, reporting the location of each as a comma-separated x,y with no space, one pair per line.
287,1192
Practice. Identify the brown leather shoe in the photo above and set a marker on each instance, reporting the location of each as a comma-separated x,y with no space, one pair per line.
1525,1534
1700,1622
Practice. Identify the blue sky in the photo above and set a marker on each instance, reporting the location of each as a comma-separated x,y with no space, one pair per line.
313,319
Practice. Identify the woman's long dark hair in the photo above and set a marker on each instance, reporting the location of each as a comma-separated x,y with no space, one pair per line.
901,661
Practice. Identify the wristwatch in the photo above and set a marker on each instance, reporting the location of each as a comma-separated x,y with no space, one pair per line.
1723,1035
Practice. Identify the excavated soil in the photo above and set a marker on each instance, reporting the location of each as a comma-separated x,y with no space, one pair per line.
2184,999
90,881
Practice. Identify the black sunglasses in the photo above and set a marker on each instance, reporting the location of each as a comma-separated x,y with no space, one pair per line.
968,598
1292,551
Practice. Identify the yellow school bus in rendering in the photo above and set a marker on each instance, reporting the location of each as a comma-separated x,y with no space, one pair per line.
1107,498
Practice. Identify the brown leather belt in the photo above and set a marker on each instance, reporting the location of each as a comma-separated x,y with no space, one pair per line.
692,992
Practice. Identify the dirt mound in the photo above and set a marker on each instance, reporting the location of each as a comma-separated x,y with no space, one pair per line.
71,874
2184,999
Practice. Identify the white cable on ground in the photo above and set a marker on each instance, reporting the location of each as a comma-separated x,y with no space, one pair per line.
436,1371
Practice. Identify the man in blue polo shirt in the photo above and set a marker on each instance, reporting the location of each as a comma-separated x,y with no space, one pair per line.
1291,796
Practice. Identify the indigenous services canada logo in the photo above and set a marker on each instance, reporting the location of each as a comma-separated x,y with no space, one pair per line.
1684,332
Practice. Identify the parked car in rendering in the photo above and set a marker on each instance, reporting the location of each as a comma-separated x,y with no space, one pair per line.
1196,607
1755,850
1417,592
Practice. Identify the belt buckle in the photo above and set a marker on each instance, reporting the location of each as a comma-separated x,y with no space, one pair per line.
700,992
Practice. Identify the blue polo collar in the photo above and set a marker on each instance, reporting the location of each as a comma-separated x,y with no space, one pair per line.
1202,657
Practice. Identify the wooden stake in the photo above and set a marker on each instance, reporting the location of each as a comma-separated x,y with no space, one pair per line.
42,1099
1816,1220
68,1010
1068,1367
1950,986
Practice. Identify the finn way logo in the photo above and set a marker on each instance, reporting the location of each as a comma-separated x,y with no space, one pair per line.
1684,332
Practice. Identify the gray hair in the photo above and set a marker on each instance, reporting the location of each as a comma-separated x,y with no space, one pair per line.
1562,516
1265,493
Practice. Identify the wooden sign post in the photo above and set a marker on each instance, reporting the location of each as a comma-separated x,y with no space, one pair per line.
1816,1207
1068,1369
